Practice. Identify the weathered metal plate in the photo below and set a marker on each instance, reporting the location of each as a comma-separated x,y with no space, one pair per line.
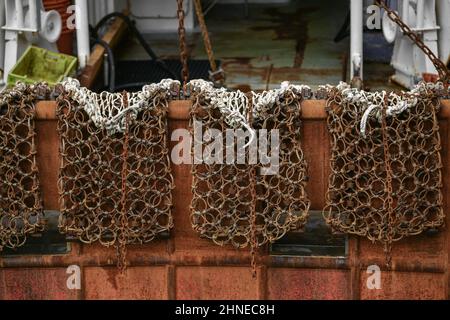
185,266
302,284
215,283
406,285
35,284
136,283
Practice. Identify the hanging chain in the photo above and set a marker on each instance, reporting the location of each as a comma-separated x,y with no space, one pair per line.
182,44
415,37
207,42
253,199
388,188
216,75
122,241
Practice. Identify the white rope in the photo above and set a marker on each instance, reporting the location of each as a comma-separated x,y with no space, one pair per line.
264,101
107,109
371,103
232,104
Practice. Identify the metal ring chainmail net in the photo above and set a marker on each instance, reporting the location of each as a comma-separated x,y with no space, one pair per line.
21,209
222,193
362,163
93,205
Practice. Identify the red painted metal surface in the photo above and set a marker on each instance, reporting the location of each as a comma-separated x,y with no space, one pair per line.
137,283
35,283
215,283
187,267
407,285
304,284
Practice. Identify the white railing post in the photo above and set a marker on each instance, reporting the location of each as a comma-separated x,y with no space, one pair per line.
356,39
82,26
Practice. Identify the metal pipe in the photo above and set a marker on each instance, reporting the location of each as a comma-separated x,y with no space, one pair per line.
98,9
109,65
82,24
356,38
19,12
420,14
34,15
91,12
443,12
110,7
2,37
139,37
405,11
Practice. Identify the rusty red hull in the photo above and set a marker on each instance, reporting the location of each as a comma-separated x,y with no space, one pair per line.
187,267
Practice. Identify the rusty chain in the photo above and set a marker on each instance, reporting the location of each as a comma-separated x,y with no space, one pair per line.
122,239
385,184
442,70
115,186
183,46
223,195
253,199
216,75
390,223
21,209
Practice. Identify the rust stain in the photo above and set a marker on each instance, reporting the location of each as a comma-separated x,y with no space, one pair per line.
35,284
397,286
290,25
112,275
333,288
203,270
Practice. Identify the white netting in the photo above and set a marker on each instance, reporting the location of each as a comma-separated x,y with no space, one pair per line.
232,104
371,103
264,101
107,109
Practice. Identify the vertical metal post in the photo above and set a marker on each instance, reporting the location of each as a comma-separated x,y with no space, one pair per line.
443,11
109,6
34,15
356,39
98,10
82,25
405,10
19,12
2,39
420,14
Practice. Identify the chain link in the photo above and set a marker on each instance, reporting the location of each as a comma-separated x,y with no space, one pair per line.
21,208
390,224
182,44
253,197
122,239
233,203
442,70
216,75
115,186
385,182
